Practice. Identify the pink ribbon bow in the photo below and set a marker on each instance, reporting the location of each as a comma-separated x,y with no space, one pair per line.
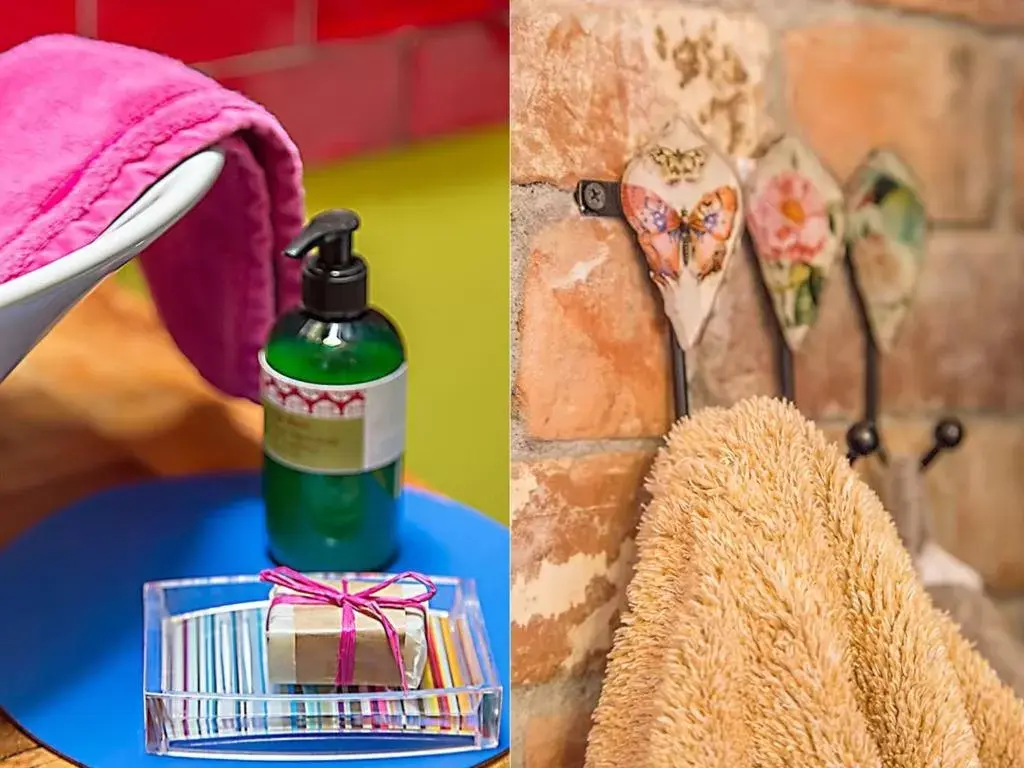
307,591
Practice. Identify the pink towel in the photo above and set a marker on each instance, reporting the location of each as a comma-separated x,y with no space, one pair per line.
87,126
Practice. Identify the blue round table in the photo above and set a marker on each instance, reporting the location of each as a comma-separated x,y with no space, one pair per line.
71,602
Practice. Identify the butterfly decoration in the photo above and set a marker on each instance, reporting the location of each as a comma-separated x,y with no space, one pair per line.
887,239
797,221
677,166
672,239
683,200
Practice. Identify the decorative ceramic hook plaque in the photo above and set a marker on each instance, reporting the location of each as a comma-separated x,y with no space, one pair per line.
797,221
887,233
684,200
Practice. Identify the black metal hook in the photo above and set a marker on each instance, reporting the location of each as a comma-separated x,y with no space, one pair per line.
863,438
858,442
604,199
784,355
949,433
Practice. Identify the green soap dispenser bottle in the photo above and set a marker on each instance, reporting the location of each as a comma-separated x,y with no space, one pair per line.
333,386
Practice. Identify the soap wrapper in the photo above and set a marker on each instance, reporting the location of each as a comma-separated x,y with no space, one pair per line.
303,640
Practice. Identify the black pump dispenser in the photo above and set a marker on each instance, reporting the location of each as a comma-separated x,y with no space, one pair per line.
334,278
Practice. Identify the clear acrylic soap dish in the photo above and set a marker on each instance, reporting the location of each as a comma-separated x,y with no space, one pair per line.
206,694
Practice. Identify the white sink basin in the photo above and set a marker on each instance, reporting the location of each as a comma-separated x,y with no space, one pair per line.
30,305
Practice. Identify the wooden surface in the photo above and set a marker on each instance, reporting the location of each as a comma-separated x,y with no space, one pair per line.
106,398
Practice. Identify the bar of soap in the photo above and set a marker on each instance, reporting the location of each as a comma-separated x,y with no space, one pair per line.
302,641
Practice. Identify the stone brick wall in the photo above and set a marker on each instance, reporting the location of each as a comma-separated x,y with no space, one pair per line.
941,81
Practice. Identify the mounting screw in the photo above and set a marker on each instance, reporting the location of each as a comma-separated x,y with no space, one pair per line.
598,198
594,196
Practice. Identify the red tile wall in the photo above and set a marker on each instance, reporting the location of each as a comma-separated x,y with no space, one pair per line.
358,18
342,101
459,78
198,30
20,20
343,76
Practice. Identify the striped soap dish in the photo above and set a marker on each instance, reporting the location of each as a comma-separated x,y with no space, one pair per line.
206,693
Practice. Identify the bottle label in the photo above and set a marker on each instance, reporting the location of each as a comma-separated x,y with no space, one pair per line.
333,429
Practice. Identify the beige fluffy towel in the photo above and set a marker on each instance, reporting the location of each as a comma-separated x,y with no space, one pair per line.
953,586
775,619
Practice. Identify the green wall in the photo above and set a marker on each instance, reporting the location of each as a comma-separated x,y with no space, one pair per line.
435,235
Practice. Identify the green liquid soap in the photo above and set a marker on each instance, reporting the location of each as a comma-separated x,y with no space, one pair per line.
333,389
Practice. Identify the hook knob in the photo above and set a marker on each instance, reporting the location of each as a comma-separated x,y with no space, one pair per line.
861,440
949,433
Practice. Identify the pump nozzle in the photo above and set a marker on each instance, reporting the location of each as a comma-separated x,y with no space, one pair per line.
331,232
334,279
